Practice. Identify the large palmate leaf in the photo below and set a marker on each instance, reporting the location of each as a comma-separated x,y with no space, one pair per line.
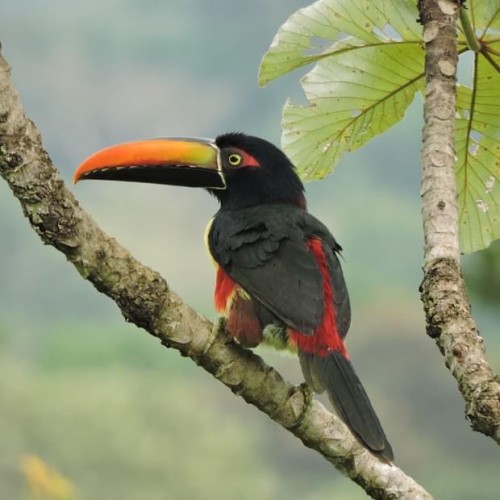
369,64
369,56
485,15
345,114
478,157
307,35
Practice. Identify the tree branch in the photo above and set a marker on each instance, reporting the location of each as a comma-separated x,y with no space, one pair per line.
443,291
145,299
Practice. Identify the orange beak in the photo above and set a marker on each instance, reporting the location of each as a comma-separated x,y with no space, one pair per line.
179,161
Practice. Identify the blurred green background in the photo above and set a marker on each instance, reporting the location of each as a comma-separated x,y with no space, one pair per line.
105,404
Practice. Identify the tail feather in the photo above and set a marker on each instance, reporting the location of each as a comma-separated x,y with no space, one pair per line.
335,374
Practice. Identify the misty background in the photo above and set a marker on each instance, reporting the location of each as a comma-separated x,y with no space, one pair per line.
102,402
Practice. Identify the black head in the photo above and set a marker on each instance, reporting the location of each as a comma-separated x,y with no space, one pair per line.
256,173
240,170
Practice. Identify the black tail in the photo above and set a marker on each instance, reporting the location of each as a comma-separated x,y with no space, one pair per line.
335,374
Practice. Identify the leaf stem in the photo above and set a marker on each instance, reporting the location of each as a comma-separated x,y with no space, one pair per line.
472,41
492,51
491,60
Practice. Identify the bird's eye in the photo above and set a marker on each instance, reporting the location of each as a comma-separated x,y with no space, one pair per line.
234,159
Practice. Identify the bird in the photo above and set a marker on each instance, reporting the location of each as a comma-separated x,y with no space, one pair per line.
278,277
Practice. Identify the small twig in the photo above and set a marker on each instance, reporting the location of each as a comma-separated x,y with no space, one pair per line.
485,51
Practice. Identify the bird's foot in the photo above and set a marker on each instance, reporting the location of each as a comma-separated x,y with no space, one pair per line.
218,327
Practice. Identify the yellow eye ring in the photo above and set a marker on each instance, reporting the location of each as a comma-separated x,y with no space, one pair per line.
234,159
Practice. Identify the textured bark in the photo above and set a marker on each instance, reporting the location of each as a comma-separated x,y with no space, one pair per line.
443,292
145,299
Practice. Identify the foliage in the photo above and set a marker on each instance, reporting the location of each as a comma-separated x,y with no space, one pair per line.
44,481
478,154
369,64
156,428
482,275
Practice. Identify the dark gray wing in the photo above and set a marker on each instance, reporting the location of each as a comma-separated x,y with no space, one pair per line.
264,249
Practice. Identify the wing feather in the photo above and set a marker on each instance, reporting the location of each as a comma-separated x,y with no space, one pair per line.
264,249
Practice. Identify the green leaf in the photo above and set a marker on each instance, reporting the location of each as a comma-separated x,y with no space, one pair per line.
485,15
369,59
350,101
305,36
478,157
